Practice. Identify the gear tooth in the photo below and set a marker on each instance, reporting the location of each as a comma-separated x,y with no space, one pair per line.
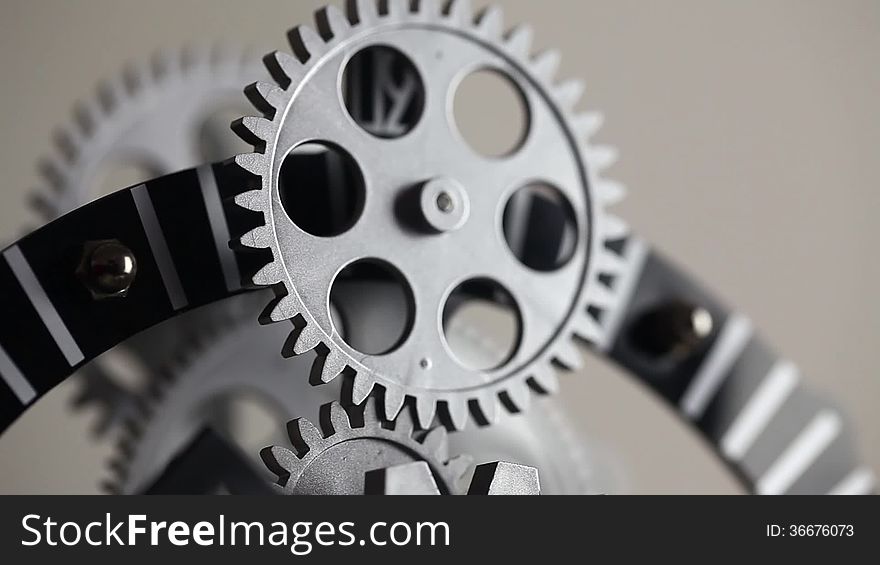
567,355
257,238
517,398
85,118
284,68
436,441
304,436
602,157
610,263
519,41
613,227
254,130
544,379
254,163
332,23
545,65
254,200
586,124
372,412
611,192
280,309
306,340
66,141
363,11
403,423
569,93
396,9
460,11
279,460
458,412
265,96
587,329
306,43
425,409
328,367
337,419
429,9
490,22
269,275
600,295
50,170
487,404
43,203
393,400
361,388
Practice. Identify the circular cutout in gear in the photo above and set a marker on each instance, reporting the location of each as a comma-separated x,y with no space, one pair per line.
553,307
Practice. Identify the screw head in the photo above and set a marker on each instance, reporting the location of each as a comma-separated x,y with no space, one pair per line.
107,269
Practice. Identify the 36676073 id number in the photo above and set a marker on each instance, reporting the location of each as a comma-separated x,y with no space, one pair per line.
810,530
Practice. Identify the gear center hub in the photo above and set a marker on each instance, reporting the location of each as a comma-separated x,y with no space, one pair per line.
444,204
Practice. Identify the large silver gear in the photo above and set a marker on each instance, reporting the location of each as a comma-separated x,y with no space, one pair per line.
555,310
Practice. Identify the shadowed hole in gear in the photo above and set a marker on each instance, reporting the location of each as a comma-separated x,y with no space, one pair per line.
322,189
383,91
481,324
540,227
375,304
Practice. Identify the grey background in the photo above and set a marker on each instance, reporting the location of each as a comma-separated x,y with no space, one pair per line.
748,131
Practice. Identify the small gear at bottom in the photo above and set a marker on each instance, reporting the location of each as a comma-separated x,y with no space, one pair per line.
352,443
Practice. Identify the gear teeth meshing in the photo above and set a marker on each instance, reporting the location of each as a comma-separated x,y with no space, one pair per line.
361,388
334,419
519,41
341,425
490,23
306,43
332,22
393,399
426,408
435,442
403,423
546,65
